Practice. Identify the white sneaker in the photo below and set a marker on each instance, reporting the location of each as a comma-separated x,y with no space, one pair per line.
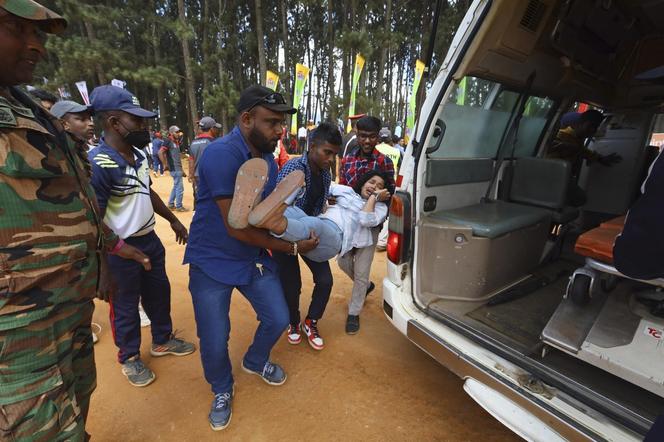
95,337
145,321
293,333
310,328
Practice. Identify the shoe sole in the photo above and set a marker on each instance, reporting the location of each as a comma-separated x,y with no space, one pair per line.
249,184
352,332
274,201
261,376
223,427
294,342
154,377
157,354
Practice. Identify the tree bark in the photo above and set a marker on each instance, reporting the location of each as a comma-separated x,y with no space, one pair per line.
379,97
260,37
331,111
284,41
188,75
90,31
205,45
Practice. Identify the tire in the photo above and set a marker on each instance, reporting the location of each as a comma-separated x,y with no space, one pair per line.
580,290
609,283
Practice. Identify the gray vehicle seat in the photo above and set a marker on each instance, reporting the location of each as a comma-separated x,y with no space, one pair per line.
543,183
494,219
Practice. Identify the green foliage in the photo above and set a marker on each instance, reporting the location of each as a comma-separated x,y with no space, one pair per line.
139,41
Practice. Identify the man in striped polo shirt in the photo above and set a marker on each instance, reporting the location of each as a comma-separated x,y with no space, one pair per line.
121,179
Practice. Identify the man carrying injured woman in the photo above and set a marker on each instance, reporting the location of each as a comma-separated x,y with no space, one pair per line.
342,227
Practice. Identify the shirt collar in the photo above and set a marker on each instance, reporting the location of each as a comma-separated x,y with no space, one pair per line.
119,159
374,154
204,136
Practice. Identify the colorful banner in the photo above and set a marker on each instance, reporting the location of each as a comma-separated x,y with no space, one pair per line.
83,90
359,65
271,80
301,75
412,103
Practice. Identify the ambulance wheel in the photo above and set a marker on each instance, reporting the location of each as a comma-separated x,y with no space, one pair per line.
580,290
609,284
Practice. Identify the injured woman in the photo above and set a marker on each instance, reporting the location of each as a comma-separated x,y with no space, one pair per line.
345,225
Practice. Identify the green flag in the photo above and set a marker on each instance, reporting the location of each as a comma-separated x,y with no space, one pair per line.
301,74
412,103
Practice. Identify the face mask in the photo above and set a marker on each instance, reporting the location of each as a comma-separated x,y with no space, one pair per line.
136,138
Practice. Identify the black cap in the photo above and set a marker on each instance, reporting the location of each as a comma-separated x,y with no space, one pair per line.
257,95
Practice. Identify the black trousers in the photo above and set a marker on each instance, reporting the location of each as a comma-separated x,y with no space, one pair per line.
291,281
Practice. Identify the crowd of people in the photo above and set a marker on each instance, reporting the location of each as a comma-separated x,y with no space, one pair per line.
78,216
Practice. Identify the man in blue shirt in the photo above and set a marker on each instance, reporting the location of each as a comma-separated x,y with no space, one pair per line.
325,143
121,179
222,258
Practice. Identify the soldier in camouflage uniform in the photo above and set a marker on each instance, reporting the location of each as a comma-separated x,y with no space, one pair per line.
50,239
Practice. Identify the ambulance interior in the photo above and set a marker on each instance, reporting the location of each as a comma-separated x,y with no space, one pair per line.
498,254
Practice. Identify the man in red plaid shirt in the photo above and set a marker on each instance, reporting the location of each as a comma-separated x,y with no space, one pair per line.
357,263
365,157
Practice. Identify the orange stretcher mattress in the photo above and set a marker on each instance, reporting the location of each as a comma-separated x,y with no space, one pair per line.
598,242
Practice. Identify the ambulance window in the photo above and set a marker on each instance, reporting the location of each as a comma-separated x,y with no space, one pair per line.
476,115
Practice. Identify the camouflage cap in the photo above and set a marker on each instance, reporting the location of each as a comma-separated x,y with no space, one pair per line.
48,20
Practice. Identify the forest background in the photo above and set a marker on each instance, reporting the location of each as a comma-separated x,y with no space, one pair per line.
190,58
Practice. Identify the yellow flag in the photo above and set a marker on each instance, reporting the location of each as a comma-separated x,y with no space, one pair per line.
271,80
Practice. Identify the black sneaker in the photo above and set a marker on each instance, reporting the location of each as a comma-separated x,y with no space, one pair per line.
352,324
370,289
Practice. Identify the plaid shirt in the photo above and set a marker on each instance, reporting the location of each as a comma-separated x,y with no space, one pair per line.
354,165
302,164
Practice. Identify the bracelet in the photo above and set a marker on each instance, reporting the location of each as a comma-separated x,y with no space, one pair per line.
294,249
118,246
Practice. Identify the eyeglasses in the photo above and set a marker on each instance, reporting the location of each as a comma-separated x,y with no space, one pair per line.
273,98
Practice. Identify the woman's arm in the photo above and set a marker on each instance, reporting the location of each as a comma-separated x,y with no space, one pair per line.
372,213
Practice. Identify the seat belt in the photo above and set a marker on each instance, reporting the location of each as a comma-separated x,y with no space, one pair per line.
514,131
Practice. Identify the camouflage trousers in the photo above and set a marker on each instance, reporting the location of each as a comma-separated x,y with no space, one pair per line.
51,360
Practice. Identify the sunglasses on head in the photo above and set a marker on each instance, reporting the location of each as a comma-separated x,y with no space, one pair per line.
273,98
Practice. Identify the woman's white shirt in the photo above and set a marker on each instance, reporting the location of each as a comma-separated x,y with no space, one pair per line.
355,224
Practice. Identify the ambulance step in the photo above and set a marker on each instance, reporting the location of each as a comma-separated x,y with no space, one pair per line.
570,324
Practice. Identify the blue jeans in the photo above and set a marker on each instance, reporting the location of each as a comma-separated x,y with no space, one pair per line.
156,164
300,226
212,301
178,189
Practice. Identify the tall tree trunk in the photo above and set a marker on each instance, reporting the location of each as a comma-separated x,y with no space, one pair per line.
331,111
309,85
205,46
188,75
379,97
261,41
161,89
90,31
284,41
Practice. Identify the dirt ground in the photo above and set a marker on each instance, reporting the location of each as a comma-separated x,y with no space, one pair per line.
373,386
